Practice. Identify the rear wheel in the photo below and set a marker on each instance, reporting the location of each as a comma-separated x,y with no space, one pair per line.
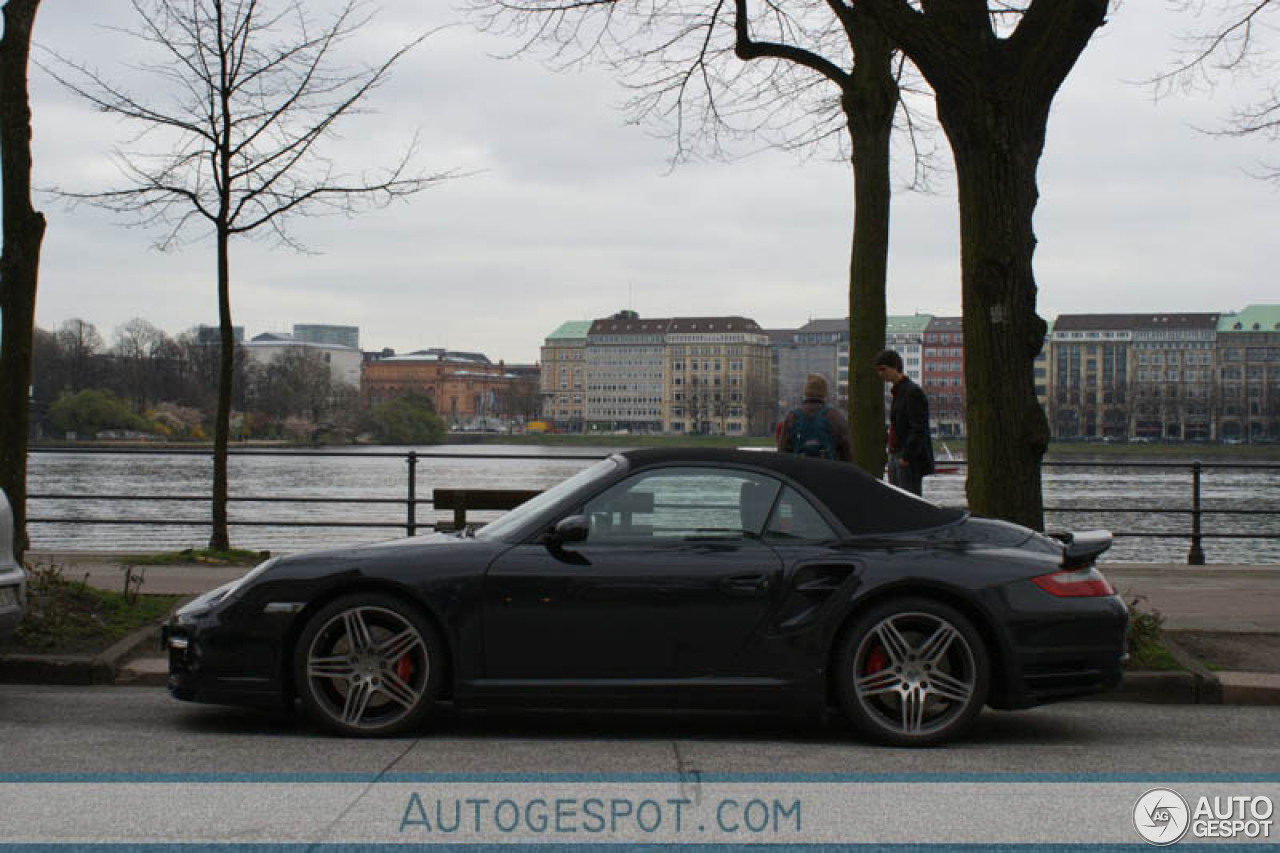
912,672
368,665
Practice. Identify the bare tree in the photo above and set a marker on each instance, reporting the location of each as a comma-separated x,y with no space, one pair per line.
141,352
793,73
20,260
995,68
80,343
1237,42
254,87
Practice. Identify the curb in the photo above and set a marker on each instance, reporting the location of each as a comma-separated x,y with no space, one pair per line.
1159,688
1208,690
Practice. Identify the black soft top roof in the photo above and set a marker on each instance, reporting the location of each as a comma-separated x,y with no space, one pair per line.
864,505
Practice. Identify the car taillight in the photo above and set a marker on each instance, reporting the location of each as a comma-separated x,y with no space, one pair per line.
1075,583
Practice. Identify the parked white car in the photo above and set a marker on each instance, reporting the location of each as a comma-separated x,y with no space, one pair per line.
13,580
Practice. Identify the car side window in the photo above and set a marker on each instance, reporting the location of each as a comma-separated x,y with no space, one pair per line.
682,504
794,519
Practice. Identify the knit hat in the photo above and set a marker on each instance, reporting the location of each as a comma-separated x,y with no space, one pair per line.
815,387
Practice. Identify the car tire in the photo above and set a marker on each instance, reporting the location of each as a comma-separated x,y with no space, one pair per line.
912,672
368,665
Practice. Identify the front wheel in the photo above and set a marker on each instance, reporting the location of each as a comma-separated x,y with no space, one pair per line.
368,665
912,672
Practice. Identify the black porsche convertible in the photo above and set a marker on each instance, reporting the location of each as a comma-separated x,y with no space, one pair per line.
673,579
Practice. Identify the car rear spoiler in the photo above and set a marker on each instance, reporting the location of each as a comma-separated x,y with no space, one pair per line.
1083,546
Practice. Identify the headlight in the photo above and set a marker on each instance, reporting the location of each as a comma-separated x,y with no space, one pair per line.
225,592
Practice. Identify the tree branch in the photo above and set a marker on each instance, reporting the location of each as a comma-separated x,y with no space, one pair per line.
747,49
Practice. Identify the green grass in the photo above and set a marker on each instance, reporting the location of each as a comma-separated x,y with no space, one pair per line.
66,617
1153,656
234,557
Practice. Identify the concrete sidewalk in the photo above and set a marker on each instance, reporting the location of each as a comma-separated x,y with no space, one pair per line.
1226,611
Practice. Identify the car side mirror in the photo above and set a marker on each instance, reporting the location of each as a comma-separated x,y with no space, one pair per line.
575,528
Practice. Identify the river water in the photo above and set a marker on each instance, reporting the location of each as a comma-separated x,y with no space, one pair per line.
1127,497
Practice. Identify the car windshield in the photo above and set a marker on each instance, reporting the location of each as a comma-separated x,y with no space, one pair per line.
512,520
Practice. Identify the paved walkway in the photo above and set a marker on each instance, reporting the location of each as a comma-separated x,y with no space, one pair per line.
1204,598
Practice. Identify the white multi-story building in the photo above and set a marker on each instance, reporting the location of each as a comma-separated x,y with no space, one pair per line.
626,373
343,362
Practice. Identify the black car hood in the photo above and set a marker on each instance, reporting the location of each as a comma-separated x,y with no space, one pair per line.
435,546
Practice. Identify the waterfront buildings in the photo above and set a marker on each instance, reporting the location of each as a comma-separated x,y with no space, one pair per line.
684,375
819,346
1138,376
626,373
466,388
1248,349
213,334
316,333
563,376
343,361
719,377
905,334
942,374
1145,376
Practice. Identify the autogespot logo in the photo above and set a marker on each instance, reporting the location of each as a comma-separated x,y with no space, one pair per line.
1161,816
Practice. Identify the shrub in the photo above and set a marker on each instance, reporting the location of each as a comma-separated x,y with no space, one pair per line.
410,419
88,412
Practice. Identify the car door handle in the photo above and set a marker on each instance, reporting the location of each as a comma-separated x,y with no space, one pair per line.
746,583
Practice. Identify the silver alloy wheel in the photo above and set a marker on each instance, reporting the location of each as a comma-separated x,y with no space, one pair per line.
368,667
914,673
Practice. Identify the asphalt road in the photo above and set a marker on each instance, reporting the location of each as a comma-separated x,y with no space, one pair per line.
124,730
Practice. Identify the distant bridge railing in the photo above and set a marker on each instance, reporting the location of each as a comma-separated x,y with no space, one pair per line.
1198,518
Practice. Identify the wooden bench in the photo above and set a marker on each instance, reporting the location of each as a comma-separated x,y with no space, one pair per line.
461,500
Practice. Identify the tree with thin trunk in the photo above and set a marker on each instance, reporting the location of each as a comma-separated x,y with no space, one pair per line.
19,262
994,69
253,88
794,73
1237,43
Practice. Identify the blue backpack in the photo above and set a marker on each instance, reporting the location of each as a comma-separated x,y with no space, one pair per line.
811,434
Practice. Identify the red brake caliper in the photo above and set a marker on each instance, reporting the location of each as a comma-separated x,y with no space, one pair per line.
876,661
404,668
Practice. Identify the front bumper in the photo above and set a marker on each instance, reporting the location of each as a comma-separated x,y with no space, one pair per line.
214,658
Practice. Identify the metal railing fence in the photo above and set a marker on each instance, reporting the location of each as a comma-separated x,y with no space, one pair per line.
1199,516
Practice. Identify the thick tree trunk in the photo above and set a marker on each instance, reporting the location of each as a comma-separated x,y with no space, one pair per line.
993,95
20,261
220,539
869,103
997,148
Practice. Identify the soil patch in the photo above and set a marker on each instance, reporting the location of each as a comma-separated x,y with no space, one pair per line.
1232,651
67,617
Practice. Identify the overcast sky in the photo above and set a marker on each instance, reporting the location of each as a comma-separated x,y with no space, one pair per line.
572,214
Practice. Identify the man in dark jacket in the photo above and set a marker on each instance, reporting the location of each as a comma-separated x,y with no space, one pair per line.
910,446
815,429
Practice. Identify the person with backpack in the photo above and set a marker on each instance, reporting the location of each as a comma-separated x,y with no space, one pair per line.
814,428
